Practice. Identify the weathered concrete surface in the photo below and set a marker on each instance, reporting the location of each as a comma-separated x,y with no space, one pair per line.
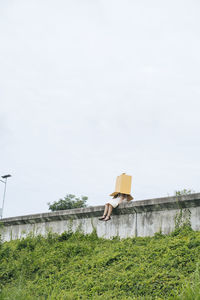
137,218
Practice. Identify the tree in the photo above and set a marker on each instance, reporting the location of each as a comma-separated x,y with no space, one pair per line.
183,192
69,202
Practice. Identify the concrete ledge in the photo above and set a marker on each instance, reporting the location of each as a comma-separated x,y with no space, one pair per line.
143,218
157,204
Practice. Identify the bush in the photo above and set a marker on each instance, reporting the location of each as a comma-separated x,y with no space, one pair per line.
74,266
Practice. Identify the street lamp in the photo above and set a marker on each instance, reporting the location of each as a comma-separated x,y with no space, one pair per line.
4,193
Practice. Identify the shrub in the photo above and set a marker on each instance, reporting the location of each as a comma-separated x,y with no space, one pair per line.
74,266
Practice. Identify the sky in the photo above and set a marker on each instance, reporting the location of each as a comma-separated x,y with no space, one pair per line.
92,89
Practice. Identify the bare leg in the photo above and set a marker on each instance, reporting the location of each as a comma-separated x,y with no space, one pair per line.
110,208
105,211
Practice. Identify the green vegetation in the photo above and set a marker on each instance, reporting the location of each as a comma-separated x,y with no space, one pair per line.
73,266
183,192
69,202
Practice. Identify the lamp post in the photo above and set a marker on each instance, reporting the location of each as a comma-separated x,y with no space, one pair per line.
4,193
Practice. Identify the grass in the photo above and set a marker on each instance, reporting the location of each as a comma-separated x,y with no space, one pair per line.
74,266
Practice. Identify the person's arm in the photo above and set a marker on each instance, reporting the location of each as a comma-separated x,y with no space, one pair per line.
125,199
121,199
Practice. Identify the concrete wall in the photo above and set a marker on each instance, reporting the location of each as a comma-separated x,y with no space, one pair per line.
137,218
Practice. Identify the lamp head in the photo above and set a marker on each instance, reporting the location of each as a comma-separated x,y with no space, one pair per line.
6,176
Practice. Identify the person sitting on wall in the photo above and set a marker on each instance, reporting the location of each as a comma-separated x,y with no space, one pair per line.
113,203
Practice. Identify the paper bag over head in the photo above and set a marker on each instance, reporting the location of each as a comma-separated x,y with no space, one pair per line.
123,185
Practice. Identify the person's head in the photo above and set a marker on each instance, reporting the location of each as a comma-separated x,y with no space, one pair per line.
123,196
115,196
120,195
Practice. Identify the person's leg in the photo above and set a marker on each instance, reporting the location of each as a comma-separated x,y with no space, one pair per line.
105,211
110,208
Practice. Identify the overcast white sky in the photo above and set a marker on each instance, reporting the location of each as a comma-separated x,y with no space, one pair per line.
91,89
